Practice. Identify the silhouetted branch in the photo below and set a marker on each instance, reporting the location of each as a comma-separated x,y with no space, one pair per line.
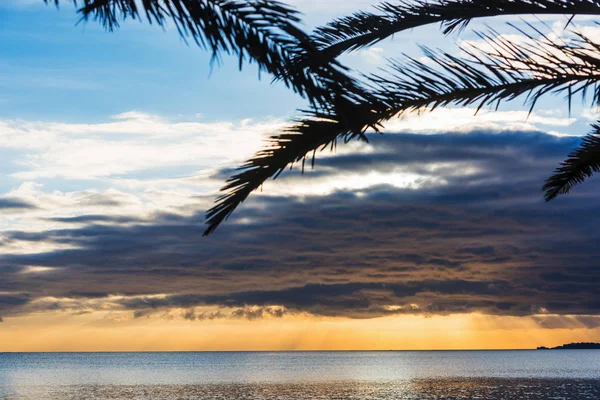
318,131
363,29
533,68
580,165
507,71
344,108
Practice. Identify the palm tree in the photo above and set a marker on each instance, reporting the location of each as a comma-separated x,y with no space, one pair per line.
343,108
481,78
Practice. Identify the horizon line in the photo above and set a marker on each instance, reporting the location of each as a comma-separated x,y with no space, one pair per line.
259,351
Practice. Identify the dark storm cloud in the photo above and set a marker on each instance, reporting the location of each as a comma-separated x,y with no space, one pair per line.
11,301
477,238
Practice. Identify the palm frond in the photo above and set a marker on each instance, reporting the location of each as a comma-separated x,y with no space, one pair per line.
504,73
316,132
580,165
534,68
363,29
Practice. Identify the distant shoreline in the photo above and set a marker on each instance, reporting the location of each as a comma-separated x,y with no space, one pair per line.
574,346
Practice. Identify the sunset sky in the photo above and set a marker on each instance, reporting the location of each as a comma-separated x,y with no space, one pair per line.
432,236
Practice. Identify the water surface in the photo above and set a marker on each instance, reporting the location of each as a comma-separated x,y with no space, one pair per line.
570,374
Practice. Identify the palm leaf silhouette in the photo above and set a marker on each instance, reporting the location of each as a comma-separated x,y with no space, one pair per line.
581,164
342,107
363,29
508,71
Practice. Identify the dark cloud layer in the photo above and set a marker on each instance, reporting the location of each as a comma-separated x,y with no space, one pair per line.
476,238
14,205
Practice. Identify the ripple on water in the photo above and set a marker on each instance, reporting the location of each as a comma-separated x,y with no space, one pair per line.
422,389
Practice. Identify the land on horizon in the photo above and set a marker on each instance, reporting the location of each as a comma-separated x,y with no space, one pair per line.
574,346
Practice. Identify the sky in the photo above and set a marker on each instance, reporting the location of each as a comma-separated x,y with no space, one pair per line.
432,236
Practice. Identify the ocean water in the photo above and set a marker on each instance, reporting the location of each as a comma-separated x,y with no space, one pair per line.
567,374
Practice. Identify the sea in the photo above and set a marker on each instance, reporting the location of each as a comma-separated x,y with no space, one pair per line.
549,374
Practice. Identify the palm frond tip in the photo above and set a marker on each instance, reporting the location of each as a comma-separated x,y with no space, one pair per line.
580,165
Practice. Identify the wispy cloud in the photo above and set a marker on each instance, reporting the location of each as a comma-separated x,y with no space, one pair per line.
132,142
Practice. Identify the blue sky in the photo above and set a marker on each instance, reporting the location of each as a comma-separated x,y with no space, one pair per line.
128,135
54,69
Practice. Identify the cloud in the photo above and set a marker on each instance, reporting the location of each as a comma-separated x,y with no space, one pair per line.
86,219
135,145
475,237
468,119
141,313
48,209
129,143
160,310
136,165
248,313
372,55
567,321
10,205
10,300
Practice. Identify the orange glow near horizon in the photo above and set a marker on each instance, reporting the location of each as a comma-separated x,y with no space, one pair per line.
103,331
